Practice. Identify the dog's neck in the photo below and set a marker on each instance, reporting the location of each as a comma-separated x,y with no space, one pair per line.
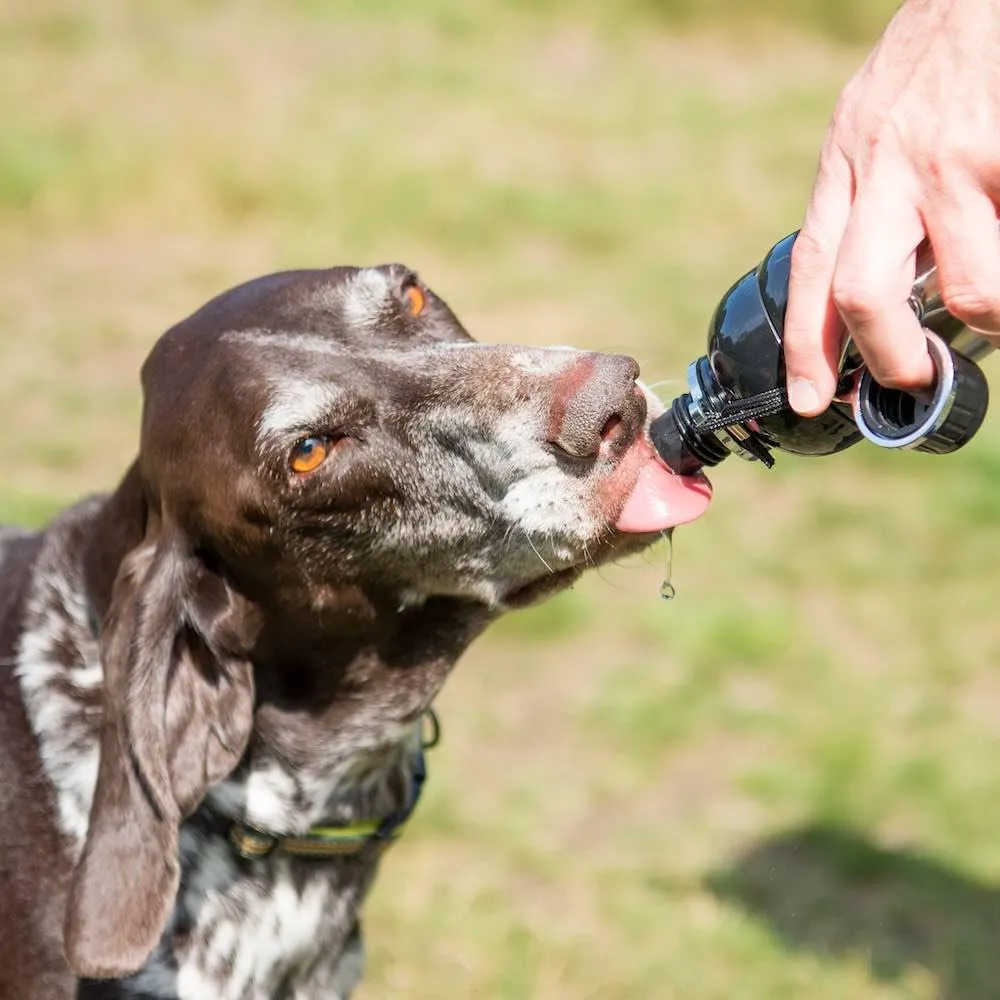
336,729
339,696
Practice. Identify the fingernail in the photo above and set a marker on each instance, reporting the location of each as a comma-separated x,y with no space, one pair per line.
802,395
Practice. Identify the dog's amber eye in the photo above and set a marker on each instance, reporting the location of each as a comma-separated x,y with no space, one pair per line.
415,299
309,454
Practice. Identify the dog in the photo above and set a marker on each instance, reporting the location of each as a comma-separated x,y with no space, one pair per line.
214,680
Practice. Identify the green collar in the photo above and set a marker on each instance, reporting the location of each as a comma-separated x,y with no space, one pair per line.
338,841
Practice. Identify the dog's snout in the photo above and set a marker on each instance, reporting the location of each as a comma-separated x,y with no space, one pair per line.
597,408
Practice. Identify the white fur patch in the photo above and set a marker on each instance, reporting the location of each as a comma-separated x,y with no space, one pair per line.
278,934
543,360
286,342
316,344
269,790
297,407
60,697
544,502
364,297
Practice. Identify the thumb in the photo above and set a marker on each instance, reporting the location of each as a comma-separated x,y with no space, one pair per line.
813,328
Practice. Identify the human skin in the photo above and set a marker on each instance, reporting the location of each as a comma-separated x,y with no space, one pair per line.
912,154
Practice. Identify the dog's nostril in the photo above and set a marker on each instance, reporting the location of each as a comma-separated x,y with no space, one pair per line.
617,433
612,428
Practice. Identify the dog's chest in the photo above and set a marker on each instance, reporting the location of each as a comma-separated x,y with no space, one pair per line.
273,930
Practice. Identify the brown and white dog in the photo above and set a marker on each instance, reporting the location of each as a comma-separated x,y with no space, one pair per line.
212,681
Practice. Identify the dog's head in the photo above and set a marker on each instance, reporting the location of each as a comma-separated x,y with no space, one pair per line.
322,455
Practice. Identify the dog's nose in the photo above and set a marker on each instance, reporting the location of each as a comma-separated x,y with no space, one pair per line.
596,406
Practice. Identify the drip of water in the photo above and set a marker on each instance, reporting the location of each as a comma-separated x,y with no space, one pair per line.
667,590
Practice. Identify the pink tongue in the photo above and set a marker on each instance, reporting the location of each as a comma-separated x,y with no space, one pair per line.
661,500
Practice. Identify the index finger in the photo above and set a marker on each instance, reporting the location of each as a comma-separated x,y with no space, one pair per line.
873,282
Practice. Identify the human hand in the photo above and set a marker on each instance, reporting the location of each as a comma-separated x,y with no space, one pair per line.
912,153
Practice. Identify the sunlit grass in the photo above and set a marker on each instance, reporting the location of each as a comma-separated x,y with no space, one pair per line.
780,784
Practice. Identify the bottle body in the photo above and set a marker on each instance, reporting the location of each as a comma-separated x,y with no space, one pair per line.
746,354
744,364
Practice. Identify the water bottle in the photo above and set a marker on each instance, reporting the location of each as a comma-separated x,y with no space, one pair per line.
736,402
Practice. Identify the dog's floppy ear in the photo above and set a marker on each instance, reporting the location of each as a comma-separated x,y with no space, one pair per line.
178,709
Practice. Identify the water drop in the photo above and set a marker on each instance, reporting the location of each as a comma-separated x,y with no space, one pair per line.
667,590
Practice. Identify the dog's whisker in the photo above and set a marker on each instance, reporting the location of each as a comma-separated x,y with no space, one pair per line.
508,537
654,386
606,579
537,553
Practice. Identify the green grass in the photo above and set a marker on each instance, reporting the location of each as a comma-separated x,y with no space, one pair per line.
782,783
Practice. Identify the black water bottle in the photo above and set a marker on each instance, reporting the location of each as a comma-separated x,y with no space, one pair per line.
736,401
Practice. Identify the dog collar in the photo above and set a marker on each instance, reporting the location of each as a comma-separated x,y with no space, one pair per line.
352,838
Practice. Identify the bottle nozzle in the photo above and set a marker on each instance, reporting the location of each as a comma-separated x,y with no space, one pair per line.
680,444
705,424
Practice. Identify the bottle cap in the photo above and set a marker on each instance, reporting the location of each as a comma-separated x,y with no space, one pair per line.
893,418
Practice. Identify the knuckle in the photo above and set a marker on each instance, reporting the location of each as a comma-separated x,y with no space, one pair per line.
812,246
938,169
856,296
973,304
845,111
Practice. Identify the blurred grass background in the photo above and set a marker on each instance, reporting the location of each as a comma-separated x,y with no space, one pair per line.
783,783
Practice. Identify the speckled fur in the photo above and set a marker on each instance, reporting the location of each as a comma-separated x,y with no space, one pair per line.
276,928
